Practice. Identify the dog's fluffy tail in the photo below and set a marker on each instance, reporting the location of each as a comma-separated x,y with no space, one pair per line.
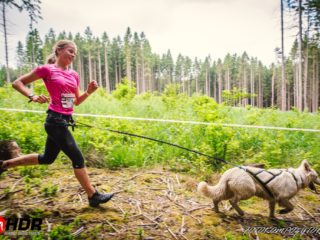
217,192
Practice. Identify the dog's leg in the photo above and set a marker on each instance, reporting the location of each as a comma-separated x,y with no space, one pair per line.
234,204
272,205
287,204
216,207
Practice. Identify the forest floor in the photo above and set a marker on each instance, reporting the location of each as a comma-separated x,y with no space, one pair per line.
150,204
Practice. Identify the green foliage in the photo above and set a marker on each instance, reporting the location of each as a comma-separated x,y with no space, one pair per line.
169,96
101,92
38,236
101,148
234,96
49,190
205,107
31,182
61,232
297,237
39,88
125,91
36,213
229,236
94,231
2,75
33,171
140,233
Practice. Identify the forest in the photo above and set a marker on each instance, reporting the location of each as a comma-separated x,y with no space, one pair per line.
291,82
235,108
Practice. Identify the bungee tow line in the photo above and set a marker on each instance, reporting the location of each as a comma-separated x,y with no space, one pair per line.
73,124
149,138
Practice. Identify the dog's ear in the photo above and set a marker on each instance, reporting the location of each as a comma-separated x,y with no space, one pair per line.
306,166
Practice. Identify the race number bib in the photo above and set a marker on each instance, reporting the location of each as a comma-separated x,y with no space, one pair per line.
67,100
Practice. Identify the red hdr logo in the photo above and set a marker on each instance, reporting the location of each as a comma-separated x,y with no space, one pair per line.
2,225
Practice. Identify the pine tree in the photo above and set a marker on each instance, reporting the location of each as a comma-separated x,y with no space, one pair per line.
34,48
127,52
21,58
34,11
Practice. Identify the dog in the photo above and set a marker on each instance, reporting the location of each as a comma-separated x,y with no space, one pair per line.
239,183
9,149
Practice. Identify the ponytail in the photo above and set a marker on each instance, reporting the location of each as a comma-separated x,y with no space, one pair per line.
51,59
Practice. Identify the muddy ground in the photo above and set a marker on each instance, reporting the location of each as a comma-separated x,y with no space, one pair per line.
150,204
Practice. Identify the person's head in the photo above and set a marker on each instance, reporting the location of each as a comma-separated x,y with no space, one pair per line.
64,52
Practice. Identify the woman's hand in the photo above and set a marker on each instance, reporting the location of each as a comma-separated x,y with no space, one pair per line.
40,99
92,87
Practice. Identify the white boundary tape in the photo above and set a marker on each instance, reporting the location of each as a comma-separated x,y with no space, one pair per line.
168,120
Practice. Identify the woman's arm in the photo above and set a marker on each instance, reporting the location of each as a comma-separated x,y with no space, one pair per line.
20,86
80,98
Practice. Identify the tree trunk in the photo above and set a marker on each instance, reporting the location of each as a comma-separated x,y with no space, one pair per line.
296,87
116,73
5,41
94,70
128,65
143,87
119,69
99,68
220,87
245,100
197,85
260,91
137,77
317,82
83,75
252,103
79,68
90,66
283,76
214,87
227,79
315,88
305,80
272,86
299,83
106,70
207,83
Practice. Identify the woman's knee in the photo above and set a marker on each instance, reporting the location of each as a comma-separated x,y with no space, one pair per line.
46,159
79,163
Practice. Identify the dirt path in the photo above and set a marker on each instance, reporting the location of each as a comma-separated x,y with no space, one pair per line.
149,204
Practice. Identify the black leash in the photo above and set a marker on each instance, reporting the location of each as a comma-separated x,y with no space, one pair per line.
264,186
152,139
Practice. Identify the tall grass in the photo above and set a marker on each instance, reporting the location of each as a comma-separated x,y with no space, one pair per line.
238,145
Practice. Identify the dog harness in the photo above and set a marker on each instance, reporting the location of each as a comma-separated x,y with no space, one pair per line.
264,185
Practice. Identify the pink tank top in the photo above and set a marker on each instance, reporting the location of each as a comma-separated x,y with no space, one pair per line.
61,85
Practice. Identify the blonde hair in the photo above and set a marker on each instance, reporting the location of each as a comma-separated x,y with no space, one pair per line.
51,59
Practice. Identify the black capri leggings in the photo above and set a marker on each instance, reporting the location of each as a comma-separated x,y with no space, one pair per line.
60,138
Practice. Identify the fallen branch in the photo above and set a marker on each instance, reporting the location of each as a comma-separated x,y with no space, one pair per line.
182,225
171,233
78,232
113,227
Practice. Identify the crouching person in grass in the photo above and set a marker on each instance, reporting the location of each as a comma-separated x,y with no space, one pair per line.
62,84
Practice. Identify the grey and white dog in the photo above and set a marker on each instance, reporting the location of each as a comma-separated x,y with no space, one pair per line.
237,184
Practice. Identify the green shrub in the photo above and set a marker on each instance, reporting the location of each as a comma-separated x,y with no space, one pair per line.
49,190
125,90
61,232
